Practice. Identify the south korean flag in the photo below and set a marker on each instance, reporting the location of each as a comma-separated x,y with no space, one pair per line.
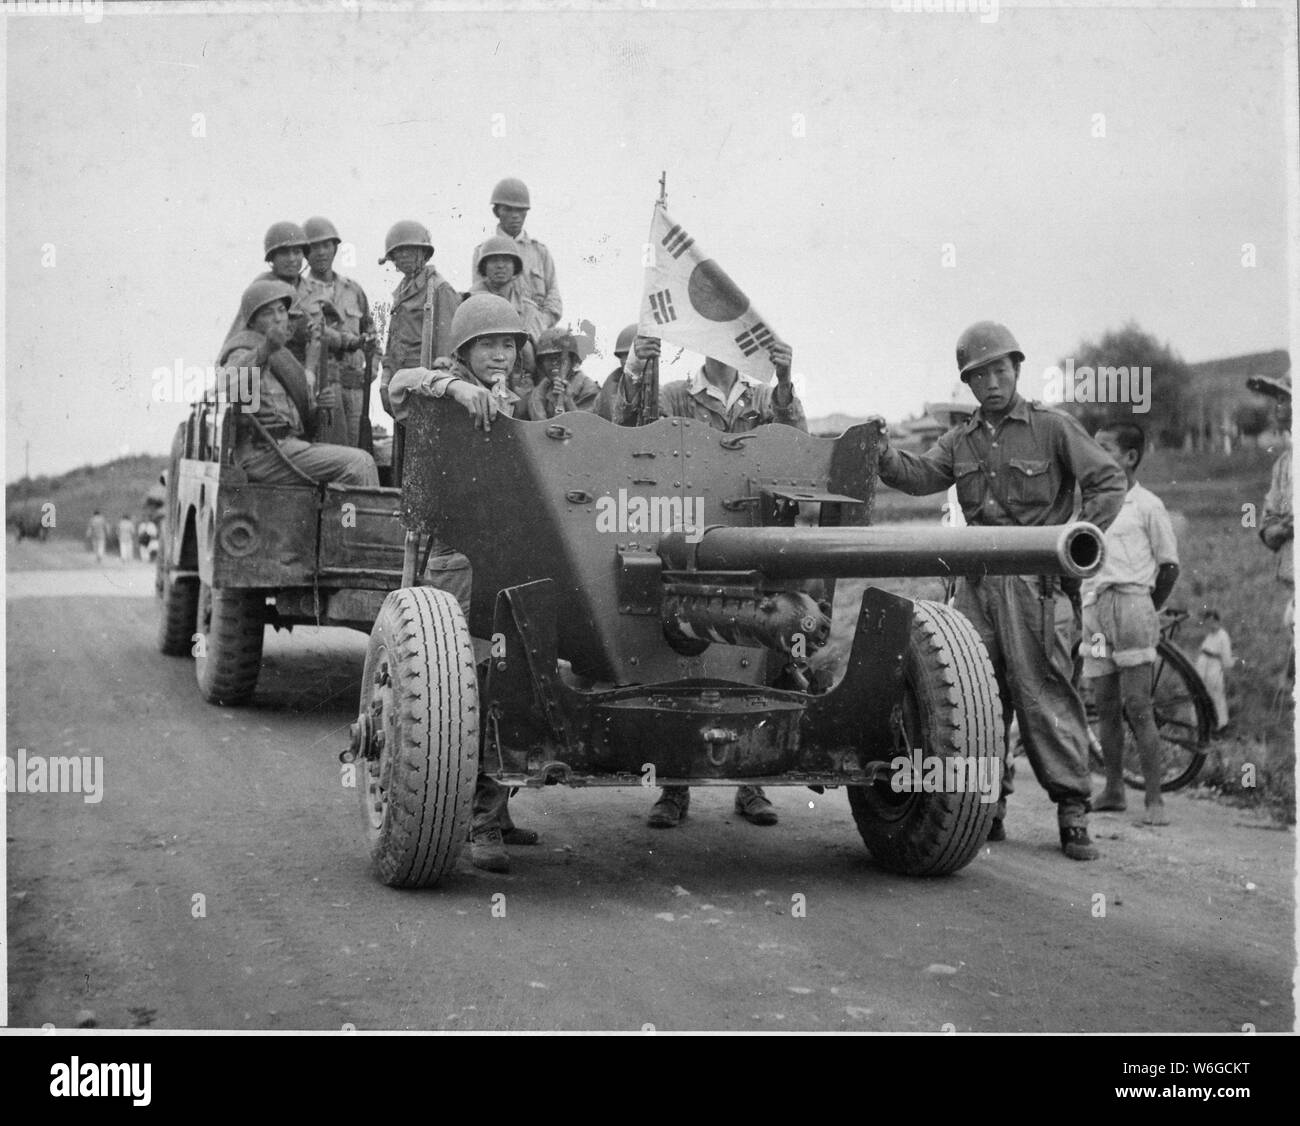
689,300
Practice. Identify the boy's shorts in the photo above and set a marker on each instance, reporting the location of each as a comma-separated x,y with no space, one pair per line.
1120,630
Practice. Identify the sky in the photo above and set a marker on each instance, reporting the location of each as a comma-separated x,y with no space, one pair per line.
875,179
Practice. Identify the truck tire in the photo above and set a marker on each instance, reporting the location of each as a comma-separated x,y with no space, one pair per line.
950,710
420,705
178,605
227,643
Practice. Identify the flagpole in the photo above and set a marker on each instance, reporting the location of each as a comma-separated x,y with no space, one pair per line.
650,380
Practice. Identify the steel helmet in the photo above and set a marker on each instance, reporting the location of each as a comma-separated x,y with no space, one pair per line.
406,232
982,342
557,340
485,314
318,229
511,192
280,235
499,244
261,294
623,345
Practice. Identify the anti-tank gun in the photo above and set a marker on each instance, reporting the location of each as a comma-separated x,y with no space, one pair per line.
644,607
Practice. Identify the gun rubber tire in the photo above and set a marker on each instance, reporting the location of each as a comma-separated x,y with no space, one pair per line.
419,697
228,650
950,707
177,609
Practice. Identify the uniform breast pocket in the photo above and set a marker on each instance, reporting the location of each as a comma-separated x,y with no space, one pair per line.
349,307
1030,482
968,479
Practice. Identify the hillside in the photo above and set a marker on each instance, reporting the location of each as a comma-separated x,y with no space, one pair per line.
114,488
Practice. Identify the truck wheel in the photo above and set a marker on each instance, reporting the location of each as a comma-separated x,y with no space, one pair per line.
227,643
178,605
950,713
419,704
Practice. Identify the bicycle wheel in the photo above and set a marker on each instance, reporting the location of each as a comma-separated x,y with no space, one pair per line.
1184,719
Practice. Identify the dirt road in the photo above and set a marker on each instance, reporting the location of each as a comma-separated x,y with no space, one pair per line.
607,924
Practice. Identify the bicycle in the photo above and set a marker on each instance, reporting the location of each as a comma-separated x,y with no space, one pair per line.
1184,716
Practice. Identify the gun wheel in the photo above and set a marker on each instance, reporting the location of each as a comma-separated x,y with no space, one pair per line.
950,715
227,645
419,703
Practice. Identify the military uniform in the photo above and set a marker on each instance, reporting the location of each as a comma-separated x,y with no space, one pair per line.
749,404
406,323
262,453
1021,471
300,314
538,276
349,301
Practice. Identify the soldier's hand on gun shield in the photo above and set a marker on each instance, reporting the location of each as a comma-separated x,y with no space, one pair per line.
476,399
883,447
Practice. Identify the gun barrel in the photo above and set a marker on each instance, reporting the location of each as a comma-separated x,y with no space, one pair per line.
1075,550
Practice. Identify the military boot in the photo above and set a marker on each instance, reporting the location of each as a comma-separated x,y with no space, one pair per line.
488,851
753,806
670,810
1072,817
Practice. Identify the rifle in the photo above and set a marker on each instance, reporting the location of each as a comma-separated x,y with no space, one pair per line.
649,393
366,439
331,424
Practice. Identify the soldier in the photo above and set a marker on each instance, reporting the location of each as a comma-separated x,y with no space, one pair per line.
271,443
1277,526
1015,463
561,383
348,300
724,399
510,204
499,270
486,336
424,303
622,346
285,246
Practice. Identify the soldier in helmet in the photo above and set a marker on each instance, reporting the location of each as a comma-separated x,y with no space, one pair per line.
348,300
725,399
285,246
424,303
272,440
622,346
1015,463
485,339
561,385
499,269
510,204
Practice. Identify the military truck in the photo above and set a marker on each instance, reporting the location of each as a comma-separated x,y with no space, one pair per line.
239,555
644,609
